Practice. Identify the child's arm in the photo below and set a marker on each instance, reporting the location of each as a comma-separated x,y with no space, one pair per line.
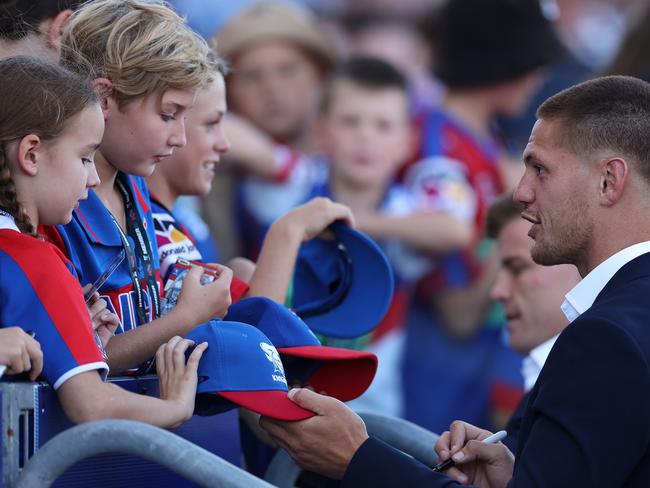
432,232
196,305
86,397
256,153
251,149
277,258
20,352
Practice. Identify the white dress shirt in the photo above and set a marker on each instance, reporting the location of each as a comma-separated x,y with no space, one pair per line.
532,364
583,295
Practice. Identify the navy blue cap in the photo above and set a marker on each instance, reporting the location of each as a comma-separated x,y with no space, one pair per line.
342,373
241,367
343,287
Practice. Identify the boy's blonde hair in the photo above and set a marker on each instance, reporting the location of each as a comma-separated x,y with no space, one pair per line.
142,47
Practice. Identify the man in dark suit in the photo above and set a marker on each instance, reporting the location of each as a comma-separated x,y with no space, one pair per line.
586,190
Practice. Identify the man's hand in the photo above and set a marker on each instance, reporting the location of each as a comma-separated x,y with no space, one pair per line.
477,463
325,443
20,352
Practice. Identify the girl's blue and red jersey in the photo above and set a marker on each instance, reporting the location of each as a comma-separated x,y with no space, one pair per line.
39,293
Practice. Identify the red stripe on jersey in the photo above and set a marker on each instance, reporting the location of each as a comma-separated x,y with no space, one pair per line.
51,235
139,196
59,292
87,225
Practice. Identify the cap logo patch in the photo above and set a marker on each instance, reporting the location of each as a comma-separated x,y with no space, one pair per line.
273,356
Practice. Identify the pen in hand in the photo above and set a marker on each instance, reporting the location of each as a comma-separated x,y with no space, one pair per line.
492,439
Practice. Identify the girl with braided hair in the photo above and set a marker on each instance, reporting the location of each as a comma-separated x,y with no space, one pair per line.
51,124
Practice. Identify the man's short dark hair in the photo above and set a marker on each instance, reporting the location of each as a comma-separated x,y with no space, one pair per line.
366,72
607,113
502,211
18,18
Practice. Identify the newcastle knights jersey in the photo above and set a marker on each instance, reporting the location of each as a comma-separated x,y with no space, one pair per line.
39,294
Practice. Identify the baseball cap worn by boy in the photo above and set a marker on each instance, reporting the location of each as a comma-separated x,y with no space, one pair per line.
241,367
342,373
343,287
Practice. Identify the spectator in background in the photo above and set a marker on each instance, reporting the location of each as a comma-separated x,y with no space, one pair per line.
402,42
278,59
364,131
489,56
531,295
632,58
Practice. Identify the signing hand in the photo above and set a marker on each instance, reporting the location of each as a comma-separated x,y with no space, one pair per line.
477,463
325,443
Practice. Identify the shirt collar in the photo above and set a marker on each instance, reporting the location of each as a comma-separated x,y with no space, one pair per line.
533,363
583,295
7,221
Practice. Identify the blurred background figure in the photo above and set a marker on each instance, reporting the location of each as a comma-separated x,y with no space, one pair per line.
531,296
490,56
279,60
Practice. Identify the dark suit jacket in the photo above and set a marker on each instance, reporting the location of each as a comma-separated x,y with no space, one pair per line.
587,422
514,424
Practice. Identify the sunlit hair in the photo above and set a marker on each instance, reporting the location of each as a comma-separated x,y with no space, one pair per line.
40,98
141,47
611,113
216,64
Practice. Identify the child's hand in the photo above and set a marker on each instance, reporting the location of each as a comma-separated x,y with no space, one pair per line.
312,218
104,321
20,352
200,303
177,379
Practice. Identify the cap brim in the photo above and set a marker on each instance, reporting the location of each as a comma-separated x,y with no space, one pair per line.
270,403
345,374
370,292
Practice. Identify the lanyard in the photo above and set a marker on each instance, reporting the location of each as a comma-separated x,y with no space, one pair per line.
136,230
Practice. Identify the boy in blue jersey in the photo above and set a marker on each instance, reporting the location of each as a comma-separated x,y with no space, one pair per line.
145,93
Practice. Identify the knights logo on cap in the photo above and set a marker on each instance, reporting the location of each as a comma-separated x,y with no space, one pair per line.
273,356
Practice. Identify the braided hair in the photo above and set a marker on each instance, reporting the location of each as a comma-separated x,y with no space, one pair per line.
36,97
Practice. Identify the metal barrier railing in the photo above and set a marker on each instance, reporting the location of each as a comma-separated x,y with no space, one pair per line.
127,436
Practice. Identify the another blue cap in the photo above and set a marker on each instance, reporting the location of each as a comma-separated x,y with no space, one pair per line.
343,287
241,366
342,373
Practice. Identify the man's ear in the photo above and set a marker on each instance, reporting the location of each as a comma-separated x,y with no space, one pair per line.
29,154
53,30
104,89
614,173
